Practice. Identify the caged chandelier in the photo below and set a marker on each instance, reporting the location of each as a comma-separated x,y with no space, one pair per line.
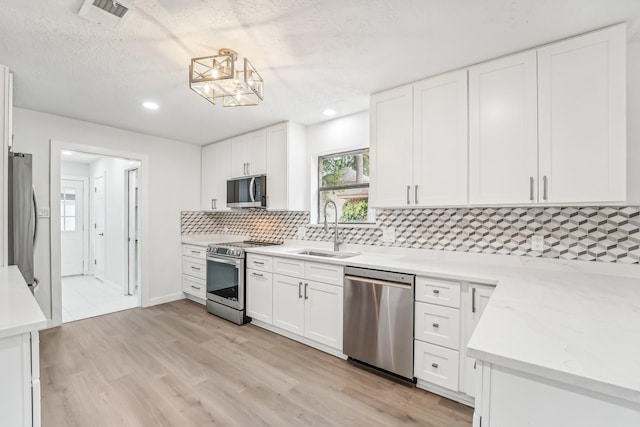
216,77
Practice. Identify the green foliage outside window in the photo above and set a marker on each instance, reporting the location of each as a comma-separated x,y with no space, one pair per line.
355,211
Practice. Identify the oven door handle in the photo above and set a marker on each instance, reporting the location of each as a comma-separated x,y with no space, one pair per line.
235,262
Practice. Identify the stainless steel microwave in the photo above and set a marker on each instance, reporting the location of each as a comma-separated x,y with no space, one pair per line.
247,192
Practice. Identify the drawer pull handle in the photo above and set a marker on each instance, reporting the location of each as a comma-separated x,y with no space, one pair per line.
195,252
195,287
436,325
436,291
258,262
435,365
195,268
258,274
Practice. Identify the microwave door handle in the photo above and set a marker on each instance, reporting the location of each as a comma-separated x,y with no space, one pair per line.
252,189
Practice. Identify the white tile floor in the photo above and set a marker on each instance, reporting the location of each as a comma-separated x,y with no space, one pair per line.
86,296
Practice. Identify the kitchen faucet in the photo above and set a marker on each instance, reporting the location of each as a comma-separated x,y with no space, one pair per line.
336,241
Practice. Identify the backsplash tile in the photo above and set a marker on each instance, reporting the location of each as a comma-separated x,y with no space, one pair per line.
606,234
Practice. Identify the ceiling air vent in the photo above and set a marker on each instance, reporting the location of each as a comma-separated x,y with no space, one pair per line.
110,13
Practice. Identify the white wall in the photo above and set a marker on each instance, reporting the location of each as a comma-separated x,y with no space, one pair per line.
343,134
174,185
74,169
115,230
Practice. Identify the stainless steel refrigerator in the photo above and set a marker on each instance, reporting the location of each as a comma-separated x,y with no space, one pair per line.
23,216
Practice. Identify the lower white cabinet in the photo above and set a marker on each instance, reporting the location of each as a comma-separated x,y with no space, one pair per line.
194,272
259,296
436,364
477,300
305,298
20,380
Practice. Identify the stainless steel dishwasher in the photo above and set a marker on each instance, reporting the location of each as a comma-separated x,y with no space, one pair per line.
378,319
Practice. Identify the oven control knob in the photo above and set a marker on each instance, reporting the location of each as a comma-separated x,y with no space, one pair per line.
236,252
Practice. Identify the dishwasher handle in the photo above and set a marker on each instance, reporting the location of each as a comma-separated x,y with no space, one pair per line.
378,282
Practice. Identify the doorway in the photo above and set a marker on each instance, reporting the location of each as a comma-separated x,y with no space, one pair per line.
99,228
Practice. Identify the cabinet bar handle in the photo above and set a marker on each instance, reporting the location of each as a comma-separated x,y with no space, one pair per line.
213,204
436,325
531,188
435,365
436,291
544,188
258,262
195,268
258,274
195,252
473,300
305,291
408,191
415,198
195,287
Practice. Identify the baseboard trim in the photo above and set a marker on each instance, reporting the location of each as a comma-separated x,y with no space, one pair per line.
444,392
300,339
163,300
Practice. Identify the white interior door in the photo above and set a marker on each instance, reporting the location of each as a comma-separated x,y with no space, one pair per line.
132,231
98,227
72,227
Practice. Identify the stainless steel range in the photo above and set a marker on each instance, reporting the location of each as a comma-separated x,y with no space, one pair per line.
226,280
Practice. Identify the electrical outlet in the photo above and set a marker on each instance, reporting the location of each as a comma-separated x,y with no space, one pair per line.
537,243
302,231
389,235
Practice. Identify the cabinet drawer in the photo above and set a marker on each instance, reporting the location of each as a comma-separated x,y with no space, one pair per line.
435,364
194,267
259,295
260,262
194,251
440,292
288,267
438,325
325,273
193,286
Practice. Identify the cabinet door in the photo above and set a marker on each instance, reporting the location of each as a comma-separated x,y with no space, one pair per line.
440,140
503,139
477,300
277,168
583,118
216,170
391,148
15,371
288,303
260,295
257,152
239,157
323,314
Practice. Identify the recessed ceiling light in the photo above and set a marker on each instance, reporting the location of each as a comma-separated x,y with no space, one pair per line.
329,112
67,152
150,105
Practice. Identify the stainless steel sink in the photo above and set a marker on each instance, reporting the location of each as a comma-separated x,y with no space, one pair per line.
324,254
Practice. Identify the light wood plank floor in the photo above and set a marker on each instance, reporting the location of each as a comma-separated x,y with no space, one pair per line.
176,365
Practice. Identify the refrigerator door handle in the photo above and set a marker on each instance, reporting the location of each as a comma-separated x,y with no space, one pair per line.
35,215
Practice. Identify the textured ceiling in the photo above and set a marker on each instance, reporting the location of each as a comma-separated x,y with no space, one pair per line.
313,55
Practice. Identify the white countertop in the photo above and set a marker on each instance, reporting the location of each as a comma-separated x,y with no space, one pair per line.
561,320
206,239
19,310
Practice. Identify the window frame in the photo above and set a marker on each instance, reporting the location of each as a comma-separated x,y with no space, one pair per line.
371,220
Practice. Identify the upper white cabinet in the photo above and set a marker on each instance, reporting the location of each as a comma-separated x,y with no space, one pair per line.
582,118
440,140
287,167
249,154
391,147
503,134
419,143
216,170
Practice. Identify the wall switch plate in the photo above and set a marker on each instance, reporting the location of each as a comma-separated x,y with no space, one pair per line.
389,235
302,231
44,212
537,243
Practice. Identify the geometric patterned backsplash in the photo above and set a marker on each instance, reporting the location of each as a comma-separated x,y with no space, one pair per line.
606,234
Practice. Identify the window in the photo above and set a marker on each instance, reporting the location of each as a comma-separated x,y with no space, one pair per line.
68,209
344,179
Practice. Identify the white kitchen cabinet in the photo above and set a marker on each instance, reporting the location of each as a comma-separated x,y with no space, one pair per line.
582,118
440,140
503,131
323,313
194,272
249,154
216,170
259,295
287,167
437,365
288,303
391,148
477,298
